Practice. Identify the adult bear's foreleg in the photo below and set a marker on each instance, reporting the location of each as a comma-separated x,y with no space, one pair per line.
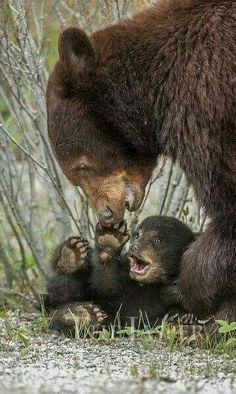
208,273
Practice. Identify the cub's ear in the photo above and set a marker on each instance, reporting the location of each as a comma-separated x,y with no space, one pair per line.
77,59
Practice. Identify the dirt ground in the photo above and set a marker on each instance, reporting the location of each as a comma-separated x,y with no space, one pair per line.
35,360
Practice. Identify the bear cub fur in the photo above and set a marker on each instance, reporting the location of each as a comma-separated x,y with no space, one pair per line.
140,282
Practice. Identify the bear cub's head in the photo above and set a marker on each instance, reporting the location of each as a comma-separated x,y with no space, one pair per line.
157,248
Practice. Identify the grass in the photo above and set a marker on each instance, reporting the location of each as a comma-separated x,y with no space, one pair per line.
173,336
24,334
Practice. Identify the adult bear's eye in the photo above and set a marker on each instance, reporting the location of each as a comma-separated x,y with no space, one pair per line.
136,235
158,240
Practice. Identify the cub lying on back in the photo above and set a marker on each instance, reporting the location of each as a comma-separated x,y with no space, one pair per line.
144,279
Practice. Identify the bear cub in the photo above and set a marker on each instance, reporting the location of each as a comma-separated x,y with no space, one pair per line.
140,282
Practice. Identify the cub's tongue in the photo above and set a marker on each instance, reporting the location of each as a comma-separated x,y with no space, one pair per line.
139,267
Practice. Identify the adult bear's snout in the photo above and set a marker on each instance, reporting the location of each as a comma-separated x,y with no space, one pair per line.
106,216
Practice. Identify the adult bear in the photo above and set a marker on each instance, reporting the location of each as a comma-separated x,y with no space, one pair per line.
163,82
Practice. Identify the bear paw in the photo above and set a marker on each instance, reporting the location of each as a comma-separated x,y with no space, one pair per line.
78,316
195,330
183,319
73,254
110,240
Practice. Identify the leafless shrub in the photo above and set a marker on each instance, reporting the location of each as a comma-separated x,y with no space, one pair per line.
38,207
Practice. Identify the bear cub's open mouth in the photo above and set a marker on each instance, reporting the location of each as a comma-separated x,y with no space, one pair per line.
138,266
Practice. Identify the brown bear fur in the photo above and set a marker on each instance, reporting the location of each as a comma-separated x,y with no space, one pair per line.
162,82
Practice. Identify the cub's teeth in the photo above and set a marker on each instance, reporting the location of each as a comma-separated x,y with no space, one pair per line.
139,268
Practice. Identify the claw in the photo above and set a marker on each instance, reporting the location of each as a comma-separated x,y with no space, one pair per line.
101,318
82,249
122,228
99,314
99,227
173,317
74,241
126,238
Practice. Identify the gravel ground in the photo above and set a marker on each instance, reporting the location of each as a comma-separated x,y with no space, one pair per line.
34,361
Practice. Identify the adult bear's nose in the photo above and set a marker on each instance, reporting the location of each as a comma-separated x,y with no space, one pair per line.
105,215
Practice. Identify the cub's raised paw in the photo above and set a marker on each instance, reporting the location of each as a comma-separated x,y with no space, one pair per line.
111,239
70,317
72,255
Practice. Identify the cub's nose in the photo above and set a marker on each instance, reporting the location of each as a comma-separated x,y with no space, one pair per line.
133,248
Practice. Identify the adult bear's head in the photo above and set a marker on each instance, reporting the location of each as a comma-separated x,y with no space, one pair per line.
100,154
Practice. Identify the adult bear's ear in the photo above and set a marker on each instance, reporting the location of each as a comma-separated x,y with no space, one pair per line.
77,57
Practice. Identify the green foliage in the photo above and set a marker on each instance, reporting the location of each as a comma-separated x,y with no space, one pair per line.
171,335
185,211
226,327
3,315
29,263
22,336
230,329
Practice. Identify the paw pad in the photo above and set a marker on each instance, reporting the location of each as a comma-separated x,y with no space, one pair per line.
73,255
85,315
111,239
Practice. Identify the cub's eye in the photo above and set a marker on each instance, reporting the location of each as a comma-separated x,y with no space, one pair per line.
158,240
136,235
